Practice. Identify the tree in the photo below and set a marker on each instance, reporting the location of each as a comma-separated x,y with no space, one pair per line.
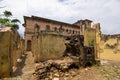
4,20
15,21
7,13
9,22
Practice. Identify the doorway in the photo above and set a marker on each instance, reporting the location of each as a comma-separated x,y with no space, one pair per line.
29,45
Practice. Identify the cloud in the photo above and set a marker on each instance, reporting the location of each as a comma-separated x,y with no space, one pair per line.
104,11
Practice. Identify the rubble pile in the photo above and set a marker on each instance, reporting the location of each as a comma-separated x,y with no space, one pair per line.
74,45
73,57
55,68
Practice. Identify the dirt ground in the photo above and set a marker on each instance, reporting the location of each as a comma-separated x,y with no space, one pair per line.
108,70
25,68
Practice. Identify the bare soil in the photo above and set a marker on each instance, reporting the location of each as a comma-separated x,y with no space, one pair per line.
25,68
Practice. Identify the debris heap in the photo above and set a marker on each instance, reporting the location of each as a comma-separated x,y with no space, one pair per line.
55,68
73,57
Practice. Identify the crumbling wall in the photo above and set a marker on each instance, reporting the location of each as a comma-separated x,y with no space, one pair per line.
92,37
11,48
75,47
89,35
5,66
97,39
110,47
47,46
89,54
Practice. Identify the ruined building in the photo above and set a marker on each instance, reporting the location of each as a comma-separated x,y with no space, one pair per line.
33,24
46,38
38,24
110,47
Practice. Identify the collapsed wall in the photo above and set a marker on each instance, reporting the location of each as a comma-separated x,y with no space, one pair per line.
92,37
11,48
75,47
110,47
75,55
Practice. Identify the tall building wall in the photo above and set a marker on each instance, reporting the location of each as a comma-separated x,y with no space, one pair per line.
33,24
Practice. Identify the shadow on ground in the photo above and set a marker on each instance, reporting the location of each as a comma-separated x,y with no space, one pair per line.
20,65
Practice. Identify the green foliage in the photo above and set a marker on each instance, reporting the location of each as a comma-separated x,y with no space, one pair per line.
15,20
4,20
97,64
91,43
15,26
8,22
7,13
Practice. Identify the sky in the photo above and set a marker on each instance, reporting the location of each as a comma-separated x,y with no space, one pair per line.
105,12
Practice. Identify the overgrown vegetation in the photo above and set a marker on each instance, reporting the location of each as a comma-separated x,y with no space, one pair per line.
6,21
91,43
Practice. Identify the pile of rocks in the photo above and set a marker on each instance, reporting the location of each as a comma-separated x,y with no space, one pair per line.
56,68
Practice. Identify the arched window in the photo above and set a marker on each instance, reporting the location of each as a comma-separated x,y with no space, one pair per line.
73,31
60,29
37,28
47,28
66,30
55,29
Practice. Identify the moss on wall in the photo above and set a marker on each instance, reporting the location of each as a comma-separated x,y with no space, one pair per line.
89,35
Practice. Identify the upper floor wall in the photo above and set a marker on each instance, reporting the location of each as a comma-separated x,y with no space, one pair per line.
37,24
